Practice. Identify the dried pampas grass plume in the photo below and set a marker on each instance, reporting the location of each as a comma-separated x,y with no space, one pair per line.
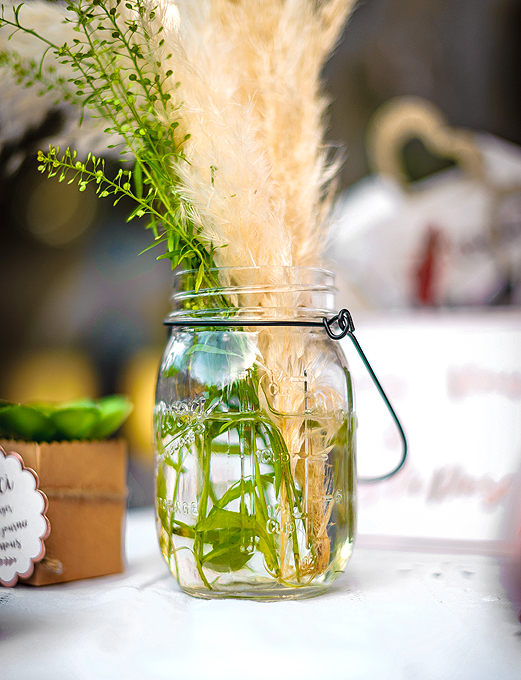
258,178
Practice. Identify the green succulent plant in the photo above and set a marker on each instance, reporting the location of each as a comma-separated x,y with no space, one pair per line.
71,420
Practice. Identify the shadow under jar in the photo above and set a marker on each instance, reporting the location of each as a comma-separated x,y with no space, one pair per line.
255,436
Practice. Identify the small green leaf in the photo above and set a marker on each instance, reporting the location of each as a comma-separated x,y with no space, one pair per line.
138,179
26,423
230,554
114,410
161,497
200,275
240,487
75,422
182,529
222,519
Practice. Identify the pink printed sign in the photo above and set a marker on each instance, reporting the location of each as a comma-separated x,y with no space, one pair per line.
23,524
454,378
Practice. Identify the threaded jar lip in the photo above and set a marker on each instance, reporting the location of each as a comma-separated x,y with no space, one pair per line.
254,293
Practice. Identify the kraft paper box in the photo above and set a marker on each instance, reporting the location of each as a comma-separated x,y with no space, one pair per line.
85,483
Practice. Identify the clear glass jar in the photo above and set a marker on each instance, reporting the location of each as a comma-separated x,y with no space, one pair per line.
255,436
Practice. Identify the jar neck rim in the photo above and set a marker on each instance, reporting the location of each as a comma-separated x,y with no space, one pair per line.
245,277
262,267
254,293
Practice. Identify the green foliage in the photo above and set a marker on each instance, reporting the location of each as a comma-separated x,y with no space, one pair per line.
233,525
119,74
75,420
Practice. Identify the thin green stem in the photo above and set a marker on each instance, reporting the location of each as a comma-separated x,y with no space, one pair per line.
202,512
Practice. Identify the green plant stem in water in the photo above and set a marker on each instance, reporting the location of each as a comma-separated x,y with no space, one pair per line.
227,539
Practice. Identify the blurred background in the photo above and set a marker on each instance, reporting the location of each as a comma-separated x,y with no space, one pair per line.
435,233
461,55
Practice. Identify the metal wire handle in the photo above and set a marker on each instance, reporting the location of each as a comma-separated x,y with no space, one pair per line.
344,321
346,326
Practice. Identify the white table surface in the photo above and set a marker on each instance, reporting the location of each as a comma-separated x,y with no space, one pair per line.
391,616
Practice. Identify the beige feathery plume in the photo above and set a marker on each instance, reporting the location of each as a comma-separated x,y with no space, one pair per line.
257,176
280,48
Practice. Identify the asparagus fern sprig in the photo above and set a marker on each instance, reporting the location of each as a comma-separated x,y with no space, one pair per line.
113,65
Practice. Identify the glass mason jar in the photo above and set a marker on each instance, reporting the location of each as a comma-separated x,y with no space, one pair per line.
255,436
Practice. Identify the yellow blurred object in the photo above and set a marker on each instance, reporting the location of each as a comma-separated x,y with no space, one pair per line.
51,375
139,384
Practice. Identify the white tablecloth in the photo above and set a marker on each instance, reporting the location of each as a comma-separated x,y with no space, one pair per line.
391,616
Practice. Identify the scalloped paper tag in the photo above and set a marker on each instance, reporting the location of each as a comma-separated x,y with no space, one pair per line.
23,524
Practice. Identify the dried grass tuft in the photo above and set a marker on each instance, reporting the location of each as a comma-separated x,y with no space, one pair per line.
259,177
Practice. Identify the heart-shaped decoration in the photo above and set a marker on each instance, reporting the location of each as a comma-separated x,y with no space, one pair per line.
404,119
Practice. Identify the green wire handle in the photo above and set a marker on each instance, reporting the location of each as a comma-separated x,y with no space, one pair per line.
345,323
